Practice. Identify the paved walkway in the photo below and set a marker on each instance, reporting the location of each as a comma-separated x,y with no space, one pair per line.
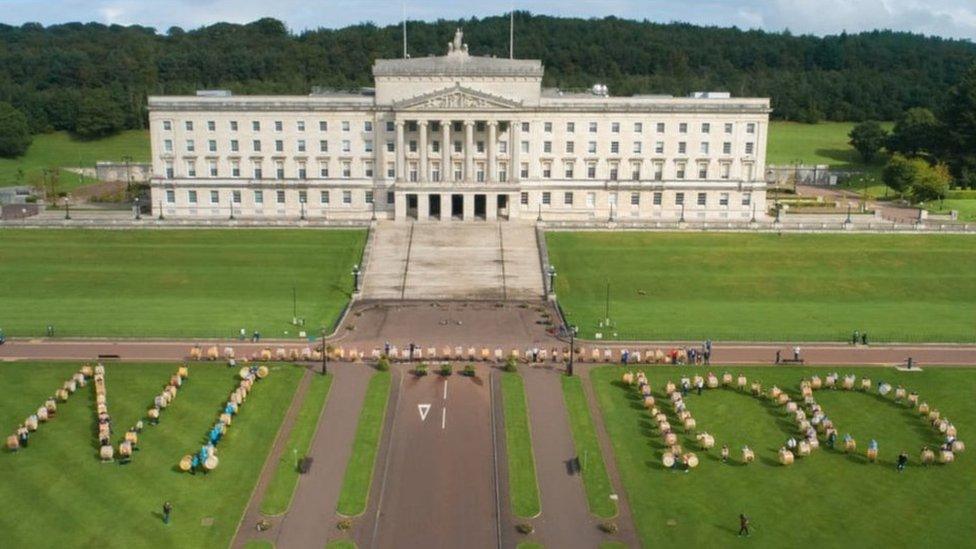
565,520
311,518
252,514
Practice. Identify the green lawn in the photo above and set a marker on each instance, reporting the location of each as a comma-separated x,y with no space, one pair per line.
965,206
827,500
56,492
173,283
824,143
667,286
522,486
59,149
282,488
358,478
341,544
595,478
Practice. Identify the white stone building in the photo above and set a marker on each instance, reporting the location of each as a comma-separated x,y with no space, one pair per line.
459,137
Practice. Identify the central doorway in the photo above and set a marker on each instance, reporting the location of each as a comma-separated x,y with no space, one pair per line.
480,206
411,206
457,207
434,206
502,204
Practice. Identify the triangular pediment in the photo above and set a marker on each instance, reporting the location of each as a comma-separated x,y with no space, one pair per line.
457,98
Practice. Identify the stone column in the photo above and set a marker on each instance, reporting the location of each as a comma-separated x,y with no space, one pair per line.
492,136
423,151
468,151
515,131
447,167
423,207
491,207
401,151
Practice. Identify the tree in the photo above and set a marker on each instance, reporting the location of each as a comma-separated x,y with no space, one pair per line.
99,115
15,134
868,138
916,132
900,172
960,125
931,183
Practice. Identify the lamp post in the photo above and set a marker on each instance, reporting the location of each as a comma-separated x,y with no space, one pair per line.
138,213
848,214
232,208
355,278
777,210
610,219
682,220
572,350
160,210
67,207
539,217
552,279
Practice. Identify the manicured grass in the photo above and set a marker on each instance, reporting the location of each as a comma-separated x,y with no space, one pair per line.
826,500
173,283
667,286
56,492
359,471
341,544
523,488
595,478
282,487
825,143
965,206
59,149
529,545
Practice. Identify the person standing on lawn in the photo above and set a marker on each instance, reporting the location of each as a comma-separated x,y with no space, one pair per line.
743,525
167,509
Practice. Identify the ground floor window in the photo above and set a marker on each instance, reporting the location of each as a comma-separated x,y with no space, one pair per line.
281,197
347,197
657,198
546,198
723,199
679,199
259,197
524,199
568,199
369,197
170,197
635,199
324,197
702,197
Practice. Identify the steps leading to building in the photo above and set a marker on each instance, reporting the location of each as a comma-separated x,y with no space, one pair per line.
486,260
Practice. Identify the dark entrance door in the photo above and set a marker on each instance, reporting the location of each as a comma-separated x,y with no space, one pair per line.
480,206
457,206
502,203
411,206
434,206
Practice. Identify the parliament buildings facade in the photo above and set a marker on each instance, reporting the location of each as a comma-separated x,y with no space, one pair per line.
459,137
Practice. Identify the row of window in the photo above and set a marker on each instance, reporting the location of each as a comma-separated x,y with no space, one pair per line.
346,125
635,199
325,197
704,170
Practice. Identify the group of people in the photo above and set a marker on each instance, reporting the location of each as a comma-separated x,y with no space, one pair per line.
21,436
859,337
205,458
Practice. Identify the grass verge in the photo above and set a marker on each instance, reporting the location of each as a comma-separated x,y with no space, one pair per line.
523,488
595,478
359,471
282,487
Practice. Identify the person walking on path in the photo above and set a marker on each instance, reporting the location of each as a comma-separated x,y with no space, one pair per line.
796,353
854,338
167,509
743,525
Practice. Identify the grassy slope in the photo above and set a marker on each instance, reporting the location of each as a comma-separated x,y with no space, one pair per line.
827,500
282,487
56,493
823,143
522,485
965,206
58,149
595,478
769,287
185,283
359,471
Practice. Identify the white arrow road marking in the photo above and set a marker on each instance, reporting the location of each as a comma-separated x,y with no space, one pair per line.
443,417
423,409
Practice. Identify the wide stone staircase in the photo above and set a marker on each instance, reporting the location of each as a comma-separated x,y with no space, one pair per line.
490,260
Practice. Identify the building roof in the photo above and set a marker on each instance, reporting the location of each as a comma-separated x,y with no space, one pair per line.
457,62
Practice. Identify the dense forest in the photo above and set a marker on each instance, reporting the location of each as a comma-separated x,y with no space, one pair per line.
93,79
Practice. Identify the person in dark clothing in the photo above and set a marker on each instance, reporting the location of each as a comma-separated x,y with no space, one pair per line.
902,461
864,338
743,525
167,509
778,358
